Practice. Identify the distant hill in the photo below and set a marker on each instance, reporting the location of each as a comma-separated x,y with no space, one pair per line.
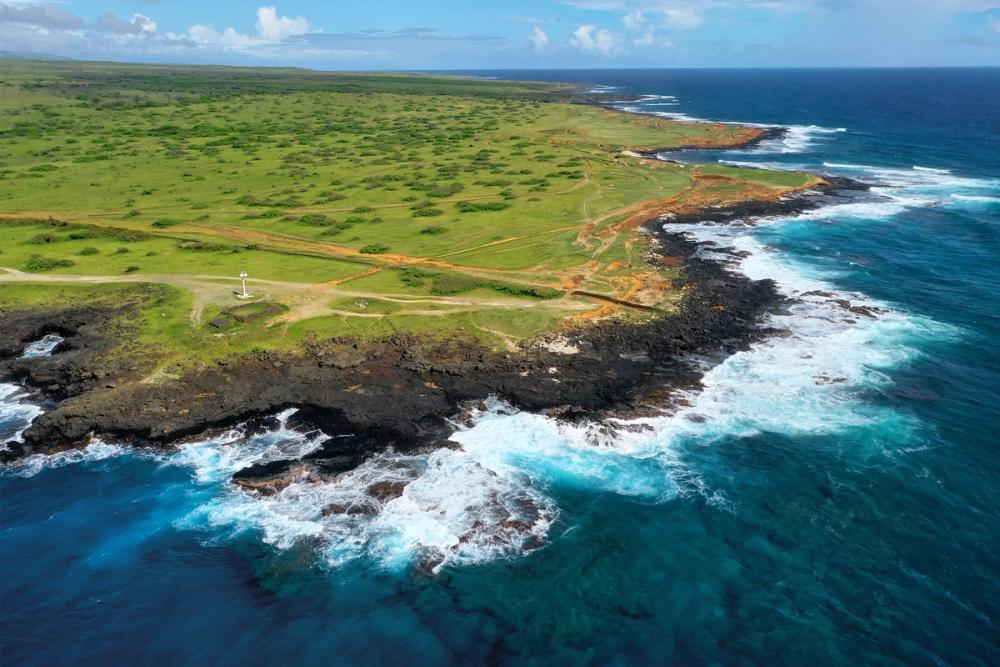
23,55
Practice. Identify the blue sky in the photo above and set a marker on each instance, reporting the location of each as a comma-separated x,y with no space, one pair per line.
453,34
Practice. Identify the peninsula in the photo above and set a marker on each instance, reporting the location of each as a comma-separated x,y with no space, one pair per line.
411,243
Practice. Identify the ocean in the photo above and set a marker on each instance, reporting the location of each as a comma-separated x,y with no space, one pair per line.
831,496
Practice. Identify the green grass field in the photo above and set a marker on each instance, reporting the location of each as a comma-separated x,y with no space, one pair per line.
362,204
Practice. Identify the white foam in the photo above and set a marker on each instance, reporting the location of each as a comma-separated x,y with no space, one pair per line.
42,347
217,458
811,380
16,413
902,188
453,510
924,179
96,450
796,138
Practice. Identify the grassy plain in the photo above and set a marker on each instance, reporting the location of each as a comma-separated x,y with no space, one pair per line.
359,204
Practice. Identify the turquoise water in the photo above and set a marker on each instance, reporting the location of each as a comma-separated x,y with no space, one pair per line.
830,496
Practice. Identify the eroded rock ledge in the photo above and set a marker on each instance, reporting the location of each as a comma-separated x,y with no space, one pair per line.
399,391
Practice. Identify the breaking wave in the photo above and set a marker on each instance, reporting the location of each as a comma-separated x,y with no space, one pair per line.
451,506
796,138
42,347
16,413
493,494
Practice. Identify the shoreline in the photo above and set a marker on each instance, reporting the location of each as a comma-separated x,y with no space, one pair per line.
404,391
401,392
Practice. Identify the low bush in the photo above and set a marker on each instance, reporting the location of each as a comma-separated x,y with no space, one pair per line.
427,212
315,219
472,207
37,263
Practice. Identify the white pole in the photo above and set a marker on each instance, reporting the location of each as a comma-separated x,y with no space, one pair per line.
243,277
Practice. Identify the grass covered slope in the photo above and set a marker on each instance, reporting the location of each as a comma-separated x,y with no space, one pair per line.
359,204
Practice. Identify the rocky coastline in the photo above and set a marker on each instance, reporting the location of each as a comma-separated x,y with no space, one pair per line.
399,392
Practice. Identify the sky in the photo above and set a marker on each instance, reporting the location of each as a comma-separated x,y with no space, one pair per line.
515,34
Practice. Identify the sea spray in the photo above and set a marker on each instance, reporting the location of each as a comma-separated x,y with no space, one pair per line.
16,412
492,496
43,347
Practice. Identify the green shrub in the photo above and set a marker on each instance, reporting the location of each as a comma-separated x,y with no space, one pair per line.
89,250
315,219
446,284
471,207
43,239
374,248
121,251
434,229
131,269
201,245
449,284
427,212
37,263
163,223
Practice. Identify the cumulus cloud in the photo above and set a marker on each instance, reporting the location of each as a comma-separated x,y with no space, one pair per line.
139,24
274,28
49,29
648,25
43,16
647,39
589,38
271,29
634,20
539,40
206,35
682,18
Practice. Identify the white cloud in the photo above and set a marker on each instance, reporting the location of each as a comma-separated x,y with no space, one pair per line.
139,24
660,18
206,35
646,40
273,28
634,21
538,38
45,15
994,25
682,18
144,23
589,38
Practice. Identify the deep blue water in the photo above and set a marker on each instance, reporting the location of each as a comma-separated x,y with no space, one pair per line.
830,497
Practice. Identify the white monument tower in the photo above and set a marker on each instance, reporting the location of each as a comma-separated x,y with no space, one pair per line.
243,277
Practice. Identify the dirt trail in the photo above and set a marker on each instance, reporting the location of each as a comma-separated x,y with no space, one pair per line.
310,300
306,300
